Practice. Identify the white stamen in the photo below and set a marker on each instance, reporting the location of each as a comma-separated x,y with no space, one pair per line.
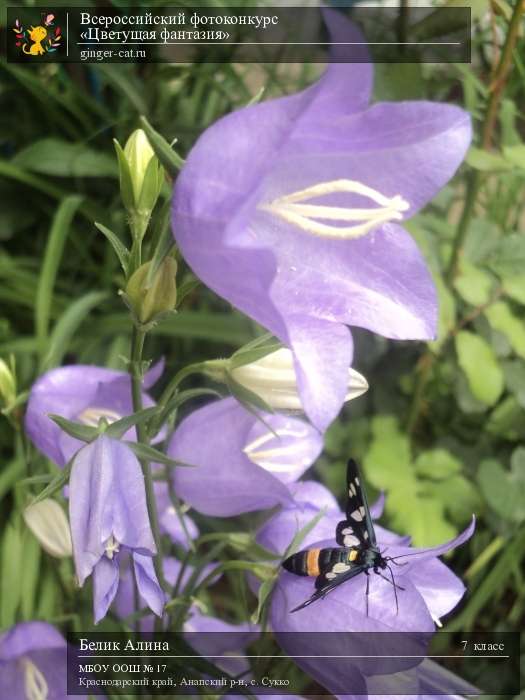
112,547
291,209
92,415
35,684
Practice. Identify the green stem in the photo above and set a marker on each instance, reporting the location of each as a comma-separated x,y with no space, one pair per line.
137,345
168,392
473,185
489,122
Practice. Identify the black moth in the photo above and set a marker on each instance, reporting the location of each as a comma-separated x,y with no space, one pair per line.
358,551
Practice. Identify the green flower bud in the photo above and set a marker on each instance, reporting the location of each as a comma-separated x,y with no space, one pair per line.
150,298
7,384
145,172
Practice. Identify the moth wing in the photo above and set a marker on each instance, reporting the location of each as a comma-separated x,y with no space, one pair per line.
358,524
324,585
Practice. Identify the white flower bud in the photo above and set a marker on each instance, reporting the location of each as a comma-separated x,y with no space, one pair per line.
273,379
49,524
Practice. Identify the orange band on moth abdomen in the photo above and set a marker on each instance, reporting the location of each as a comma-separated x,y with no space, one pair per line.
312,562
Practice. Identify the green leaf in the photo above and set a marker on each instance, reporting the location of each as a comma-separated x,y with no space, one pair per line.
186,288
52,156
164,243
151,185
477,359
244,356
437,464
263,595
508,258
514,287
486,161
10,576
503,320
31,555
150,454
301,534
507,420
86,433
425,521
60,229
126,183
388,463
10,474
504,490
514,371
245,396
181,398
58,482
459,496
165,153
67,326
120,249
515,155
473,284
119,427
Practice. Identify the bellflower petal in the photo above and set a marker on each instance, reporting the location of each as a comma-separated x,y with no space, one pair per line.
105,585
425,593
108,514
33,662
124,604
209,635
240,465
422,554
82,393
296,223
169,521
107,500
147,583
310,497
441,589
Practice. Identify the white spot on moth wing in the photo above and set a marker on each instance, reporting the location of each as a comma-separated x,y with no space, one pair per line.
347,531
340,568
356,480
365,535
350,540
352,491
358,514
330,575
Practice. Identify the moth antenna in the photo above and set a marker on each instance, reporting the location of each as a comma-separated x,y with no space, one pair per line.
395,592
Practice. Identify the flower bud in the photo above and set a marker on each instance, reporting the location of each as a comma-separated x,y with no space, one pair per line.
273,379
49,524
138,152
159,296
7,384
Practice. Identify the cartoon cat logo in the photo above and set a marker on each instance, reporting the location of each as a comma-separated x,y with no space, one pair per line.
39,40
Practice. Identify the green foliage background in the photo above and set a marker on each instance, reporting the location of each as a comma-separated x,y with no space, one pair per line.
441,429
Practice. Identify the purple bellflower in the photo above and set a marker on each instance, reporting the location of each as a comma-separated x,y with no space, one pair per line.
33,663
109,516
240,463
428,591
81,393
297,221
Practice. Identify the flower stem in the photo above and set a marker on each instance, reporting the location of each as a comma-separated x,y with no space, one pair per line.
496,91
137,345
501,75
